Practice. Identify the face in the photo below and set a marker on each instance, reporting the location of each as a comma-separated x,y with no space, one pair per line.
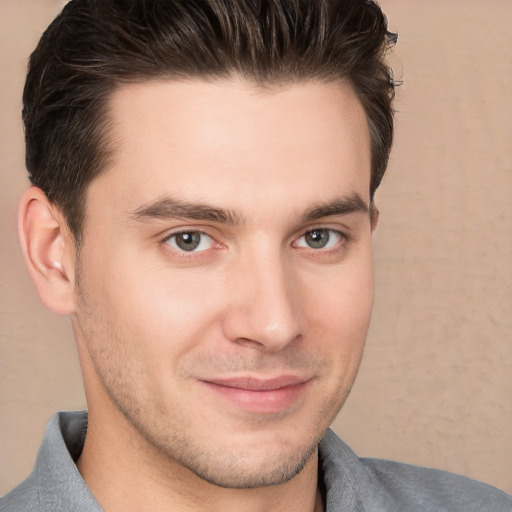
225,278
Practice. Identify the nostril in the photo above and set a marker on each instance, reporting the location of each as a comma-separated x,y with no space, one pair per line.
248,343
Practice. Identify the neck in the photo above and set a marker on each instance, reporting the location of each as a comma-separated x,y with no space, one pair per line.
124,475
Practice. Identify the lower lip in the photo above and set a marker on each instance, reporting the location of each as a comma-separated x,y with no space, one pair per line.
261,402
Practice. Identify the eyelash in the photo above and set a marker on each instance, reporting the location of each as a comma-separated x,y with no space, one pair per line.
182,252
343,239
340,243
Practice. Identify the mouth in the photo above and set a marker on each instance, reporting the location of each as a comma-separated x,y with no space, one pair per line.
258,395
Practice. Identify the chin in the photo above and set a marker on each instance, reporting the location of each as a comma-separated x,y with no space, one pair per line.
252,470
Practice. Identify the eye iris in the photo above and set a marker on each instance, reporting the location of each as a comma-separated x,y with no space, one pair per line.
188,241
318,238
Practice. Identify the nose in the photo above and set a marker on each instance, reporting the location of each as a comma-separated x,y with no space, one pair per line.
263,309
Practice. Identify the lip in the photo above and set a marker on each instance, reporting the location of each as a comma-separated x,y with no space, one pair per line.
257,395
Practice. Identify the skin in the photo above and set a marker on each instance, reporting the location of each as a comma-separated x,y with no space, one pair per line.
255,176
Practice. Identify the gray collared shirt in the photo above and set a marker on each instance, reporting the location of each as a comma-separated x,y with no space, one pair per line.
350,483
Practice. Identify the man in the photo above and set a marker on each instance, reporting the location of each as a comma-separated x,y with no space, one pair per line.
202,208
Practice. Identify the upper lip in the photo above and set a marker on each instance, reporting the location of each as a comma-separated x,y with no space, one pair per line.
258,383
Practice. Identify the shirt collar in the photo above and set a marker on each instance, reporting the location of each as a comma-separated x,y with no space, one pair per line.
62,488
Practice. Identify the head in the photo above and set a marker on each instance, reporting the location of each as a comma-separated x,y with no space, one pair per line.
206,172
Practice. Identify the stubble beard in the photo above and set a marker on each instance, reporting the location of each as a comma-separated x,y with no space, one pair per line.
175,445
224,468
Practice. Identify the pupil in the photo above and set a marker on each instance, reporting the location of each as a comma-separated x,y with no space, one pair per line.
188,241
317,238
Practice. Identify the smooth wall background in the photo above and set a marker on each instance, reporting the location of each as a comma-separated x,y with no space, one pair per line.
435,385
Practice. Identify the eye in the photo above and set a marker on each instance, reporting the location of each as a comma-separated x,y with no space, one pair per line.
190,241
320,238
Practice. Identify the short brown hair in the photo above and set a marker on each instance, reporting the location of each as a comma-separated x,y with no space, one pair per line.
94,46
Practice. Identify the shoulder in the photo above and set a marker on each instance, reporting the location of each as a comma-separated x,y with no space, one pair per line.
23,498
432,489
55,485
386,485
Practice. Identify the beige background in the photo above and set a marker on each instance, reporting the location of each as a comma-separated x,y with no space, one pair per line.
435,385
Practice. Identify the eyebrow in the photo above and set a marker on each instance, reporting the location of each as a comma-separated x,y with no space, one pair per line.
168,207
352,203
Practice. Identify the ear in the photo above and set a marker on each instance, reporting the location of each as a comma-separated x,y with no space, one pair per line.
374,216
49,250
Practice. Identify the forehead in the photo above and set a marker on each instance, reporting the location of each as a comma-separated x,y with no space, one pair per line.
211,141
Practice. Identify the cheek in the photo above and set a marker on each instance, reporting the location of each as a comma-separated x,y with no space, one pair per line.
160,310
139,326
341,301
339,318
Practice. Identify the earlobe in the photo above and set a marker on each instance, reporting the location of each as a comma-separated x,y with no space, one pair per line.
48,249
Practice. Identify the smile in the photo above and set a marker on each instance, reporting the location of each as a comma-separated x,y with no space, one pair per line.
261,396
